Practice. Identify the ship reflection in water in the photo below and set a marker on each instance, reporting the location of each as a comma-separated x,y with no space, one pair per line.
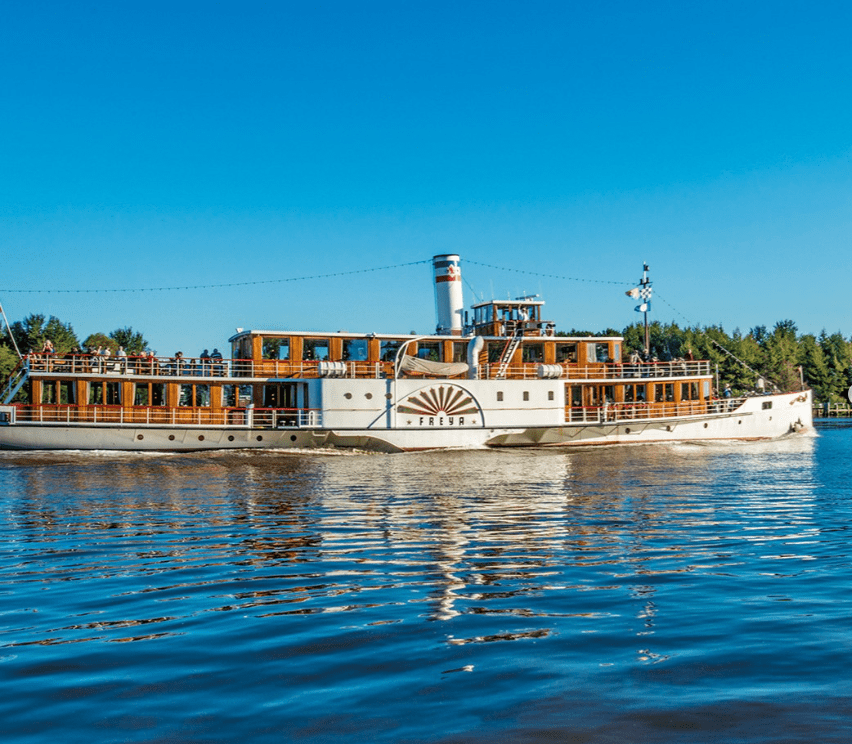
327,594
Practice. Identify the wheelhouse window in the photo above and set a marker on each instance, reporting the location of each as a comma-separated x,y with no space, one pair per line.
315,349
566,353
429,350
388,350
194,395
241,348
276,348
355,350
149,394
533,353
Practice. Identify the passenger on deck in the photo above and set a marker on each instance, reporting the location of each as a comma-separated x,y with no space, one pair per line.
218,367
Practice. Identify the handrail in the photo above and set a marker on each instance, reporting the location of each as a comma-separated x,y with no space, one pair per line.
231,417
196,367
641,410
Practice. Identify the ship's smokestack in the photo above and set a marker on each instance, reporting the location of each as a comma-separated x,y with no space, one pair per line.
449,305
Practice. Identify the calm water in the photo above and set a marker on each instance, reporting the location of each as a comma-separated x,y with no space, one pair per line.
648,594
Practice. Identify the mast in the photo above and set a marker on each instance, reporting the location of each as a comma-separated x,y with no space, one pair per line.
645,294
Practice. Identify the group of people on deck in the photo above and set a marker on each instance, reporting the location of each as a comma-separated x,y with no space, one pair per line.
677,365
102,359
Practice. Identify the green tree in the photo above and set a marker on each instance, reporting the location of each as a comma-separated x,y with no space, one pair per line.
815,369
780,356
31,333
132,341
96,340
838,354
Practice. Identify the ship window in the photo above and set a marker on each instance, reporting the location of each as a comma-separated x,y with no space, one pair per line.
616,352
550,395
48,393
459,352
706,388
355,349
242,348
634,393
767,405
388,349
669,391
597,352
499,395
495,351
576,396
566,353
194,395
689,391
315,349
149,394
526,395
658,393
276,348
533,353
104,393
236,396
429,350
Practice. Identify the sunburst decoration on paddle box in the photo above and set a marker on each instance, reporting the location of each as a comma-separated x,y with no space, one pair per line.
448,400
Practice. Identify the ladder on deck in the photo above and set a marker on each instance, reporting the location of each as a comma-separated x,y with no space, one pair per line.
16,381
508,351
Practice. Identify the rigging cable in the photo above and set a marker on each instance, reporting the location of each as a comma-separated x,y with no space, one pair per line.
715,342
11,335
218,286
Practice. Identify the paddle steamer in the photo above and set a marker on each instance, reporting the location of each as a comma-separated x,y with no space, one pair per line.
496,377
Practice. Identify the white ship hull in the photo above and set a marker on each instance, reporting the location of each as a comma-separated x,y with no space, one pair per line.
764,417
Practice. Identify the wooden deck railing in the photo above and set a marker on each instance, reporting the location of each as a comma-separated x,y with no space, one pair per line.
255,418
615,412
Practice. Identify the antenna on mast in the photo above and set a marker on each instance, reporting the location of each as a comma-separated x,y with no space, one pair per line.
643,293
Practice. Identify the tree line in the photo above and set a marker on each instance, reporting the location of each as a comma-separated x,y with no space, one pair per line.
782,356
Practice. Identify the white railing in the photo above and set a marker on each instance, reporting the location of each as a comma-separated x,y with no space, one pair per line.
529,371
82,364
99,415
617,412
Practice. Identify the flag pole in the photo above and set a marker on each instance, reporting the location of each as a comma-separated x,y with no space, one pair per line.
645,284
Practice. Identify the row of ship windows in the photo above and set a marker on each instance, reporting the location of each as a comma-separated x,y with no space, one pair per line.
525,395
144,394
357,350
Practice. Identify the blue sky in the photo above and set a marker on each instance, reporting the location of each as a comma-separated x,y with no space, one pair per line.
172,144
